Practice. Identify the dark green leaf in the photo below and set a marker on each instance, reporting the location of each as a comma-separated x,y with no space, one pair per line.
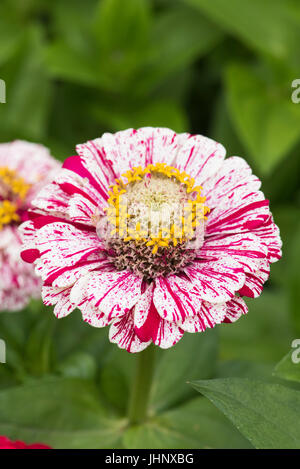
289,367
64,413
268,26
266,119
266,414
195,425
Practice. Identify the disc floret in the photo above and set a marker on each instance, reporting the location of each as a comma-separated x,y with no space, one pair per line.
155,213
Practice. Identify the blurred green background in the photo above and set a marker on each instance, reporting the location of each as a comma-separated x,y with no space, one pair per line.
223,68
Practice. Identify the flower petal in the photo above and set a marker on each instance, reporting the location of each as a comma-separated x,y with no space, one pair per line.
123,334
248,249
235,309
216,281
113,293
200,157
231,184
174,298
59,297
210,315
255,281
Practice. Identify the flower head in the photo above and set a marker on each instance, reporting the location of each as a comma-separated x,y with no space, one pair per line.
23,169
153,234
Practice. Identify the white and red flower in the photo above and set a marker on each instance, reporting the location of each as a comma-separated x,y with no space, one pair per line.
24,168
151,288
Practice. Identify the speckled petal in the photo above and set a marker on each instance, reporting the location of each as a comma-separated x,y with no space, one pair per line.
200,157
60,297
255,281
113,293
174,298
122,333
235,309
210,315
216,281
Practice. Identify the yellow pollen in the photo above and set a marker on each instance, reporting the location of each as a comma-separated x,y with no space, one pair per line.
8,213
117,213
13,182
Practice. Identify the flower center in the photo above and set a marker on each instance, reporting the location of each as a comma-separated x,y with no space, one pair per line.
13,190
155,220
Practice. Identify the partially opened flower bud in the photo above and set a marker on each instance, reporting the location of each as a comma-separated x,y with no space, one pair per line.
24,167
153,234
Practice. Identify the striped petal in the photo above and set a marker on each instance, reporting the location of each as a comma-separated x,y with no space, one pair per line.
200,157
113,293
175,299
232,183
235,309
210,314
216,281
255,281
122,333
60,297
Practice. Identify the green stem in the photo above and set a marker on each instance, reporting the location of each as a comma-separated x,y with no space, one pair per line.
140,391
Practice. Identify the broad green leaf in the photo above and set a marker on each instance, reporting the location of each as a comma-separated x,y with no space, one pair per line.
266,119
267,414
179,36
64,413
289,367
268,26
194,425
263,334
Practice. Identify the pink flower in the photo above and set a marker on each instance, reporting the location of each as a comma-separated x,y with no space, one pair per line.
6,443
23,169
90,241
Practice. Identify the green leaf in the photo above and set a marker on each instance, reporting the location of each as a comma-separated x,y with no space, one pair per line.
69,64
122,26
266,414
78,365
263,334
194,425
179,36
121,30
28,91
292,279
270,26
289,367
64,413
266,119
195,355
160,113
9,39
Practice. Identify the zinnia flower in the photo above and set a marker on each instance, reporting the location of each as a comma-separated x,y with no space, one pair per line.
23,168
6,443
153,234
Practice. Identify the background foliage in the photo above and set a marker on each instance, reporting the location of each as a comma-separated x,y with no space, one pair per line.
223,68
